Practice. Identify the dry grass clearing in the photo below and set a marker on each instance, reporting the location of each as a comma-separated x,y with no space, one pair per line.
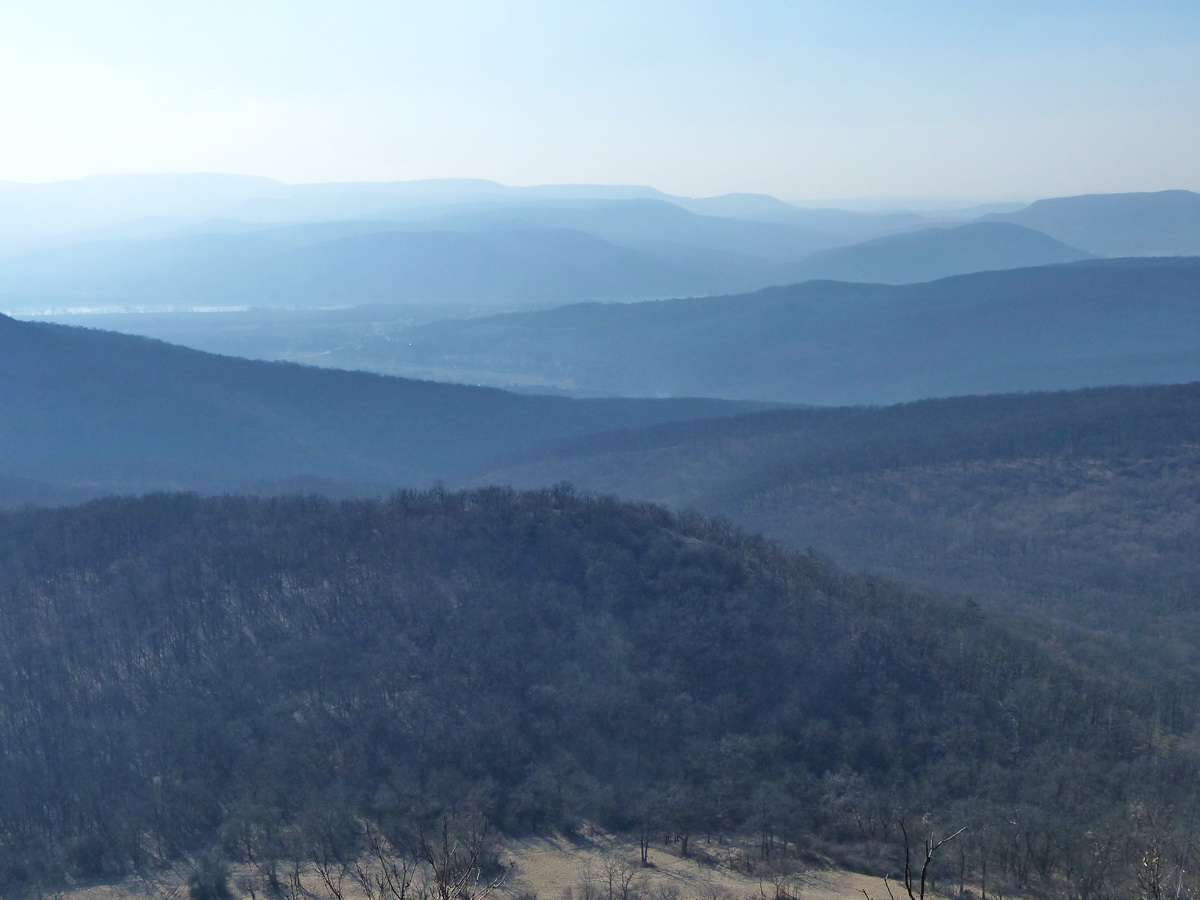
579,869
592,866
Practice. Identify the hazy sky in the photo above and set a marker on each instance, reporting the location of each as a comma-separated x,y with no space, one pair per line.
804,100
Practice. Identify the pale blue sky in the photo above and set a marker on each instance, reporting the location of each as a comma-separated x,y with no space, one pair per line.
804,100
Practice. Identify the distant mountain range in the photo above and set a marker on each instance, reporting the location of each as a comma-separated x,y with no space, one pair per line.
933,253
481,254
523,266
1166,223
86,412
208,240
1089,323
168,200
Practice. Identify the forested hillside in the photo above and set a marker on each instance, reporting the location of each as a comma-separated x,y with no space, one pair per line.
1080,507
96,411
1092,323
266,676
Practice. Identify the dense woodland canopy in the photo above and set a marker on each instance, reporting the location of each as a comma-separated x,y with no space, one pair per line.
1079,508
267,675
1073,515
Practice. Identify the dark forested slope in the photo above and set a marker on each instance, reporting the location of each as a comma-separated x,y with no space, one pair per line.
1079,504
1083,324
265,675
106,411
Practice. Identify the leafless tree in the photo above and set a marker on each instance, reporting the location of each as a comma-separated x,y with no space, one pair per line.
916,891
456,864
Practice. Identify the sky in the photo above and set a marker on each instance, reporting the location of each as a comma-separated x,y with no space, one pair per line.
846,99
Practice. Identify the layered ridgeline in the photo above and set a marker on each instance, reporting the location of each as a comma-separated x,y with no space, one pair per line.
510,256
1081,506
633,250
307,266
441,243
932,253
1163,223
1052,327
179,242
267,677
154,203
95,411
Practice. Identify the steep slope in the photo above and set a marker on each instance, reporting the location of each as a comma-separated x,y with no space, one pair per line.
104,410
1162,223
268,676
1083,505
934,253
1090,323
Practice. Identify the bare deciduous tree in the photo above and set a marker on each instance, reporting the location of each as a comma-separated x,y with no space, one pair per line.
916,891
456,864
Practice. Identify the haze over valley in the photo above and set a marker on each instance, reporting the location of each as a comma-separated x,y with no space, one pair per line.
735,357
599,451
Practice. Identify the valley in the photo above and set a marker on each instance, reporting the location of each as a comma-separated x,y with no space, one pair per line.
726,565
602,450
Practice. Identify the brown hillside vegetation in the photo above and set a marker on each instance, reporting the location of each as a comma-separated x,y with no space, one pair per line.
1083,507
277,682
557,867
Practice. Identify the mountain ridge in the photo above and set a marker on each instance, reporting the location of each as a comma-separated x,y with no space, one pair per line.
111,411
278,680
1131,224
935,253
1070,325
1076,505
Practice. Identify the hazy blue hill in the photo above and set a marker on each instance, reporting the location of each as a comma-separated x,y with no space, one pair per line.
934,253
513,266
323,202
848,224
353,263
103,410
560,251
1113,224
639,220
1161,223
187,239
1075,325
135,270
107,201
763,207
